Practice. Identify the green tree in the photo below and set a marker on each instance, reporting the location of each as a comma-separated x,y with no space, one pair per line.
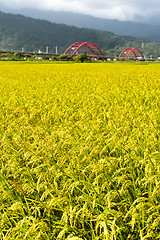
82,57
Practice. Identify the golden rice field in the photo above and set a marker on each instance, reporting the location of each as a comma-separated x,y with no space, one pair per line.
79,151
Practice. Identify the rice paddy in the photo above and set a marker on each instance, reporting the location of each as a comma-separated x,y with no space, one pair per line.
79,151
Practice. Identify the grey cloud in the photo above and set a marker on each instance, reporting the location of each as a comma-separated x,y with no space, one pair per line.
120,9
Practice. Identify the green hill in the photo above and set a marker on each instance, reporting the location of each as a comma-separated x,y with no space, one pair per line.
17,32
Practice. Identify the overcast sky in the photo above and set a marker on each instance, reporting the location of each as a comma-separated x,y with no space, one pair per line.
113,9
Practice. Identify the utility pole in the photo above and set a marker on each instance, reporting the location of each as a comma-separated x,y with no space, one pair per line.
115,55
108,54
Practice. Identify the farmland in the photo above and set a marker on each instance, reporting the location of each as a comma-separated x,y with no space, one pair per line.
79,151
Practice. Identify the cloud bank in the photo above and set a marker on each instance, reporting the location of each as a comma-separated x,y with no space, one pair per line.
110,9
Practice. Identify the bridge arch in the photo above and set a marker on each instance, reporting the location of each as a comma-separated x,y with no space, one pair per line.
132,53
91,49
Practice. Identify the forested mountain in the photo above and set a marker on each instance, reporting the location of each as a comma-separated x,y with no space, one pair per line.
17,32
140,29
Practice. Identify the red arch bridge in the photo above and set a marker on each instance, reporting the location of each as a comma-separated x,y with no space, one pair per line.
132,53
91,49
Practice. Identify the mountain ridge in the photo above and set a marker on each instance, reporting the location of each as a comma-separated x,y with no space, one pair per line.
17,32
123,28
